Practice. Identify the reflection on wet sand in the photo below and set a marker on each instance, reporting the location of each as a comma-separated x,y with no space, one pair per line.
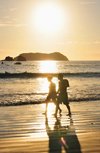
62,137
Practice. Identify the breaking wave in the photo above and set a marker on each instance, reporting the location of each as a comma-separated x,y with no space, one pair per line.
32,75
42,100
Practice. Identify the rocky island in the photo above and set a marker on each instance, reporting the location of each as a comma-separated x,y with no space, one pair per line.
55,56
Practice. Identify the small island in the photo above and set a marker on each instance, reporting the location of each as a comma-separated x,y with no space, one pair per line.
55,56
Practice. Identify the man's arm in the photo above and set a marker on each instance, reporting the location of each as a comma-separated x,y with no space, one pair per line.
67,83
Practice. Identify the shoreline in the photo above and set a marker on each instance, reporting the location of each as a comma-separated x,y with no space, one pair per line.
25,129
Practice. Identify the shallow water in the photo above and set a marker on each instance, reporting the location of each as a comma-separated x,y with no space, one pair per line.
19,89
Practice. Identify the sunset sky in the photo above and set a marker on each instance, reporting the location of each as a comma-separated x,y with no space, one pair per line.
71,27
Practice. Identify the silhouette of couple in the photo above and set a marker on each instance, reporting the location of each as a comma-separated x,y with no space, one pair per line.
62,137
57,136
62,94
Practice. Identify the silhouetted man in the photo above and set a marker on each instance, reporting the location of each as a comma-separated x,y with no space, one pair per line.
62,93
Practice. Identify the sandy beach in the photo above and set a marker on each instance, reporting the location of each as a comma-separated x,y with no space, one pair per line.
25,129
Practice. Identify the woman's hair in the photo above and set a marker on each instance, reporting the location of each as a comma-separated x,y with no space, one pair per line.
49,77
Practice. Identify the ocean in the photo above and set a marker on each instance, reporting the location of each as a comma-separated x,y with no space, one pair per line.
27,83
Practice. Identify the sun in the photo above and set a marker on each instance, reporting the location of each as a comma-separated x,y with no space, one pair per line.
48,17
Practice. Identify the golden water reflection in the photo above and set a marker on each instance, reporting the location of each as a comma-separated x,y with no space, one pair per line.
48,67
51,109
38,126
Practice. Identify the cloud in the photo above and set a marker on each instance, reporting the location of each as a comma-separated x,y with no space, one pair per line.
88,2
21,25
3,25
86,42
14,19
90,42
12,25
96,42
83,42
72,42
12,9
6,17
60,43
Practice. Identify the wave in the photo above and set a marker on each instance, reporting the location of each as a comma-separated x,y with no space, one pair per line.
23,94
32,75
19,102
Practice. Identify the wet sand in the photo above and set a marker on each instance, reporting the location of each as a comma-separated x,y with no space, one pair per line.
24,129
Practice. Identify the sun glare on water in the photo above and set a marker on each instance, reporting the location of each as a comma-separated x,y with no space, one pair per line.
48,67
51,109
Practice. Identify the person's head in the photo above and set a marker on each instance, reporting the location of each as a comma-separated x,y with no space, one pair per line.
60,76
49,78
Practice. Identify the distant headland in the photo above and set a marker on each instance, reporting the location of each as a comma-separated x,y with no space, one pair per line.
55,56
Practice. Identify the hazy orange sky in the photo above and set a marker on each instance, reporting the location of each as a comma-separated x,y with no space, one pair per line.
71,27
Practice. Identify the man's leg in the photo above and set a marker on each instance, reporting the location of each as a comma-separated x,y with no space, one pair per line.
66,102
69,111
56,110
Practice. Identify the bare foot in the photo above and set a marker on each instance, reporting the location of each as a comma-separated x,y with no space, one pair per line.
69,114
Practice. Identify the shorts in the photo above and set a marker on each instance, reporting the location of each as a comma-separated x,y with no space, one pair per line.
63,97
51,97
